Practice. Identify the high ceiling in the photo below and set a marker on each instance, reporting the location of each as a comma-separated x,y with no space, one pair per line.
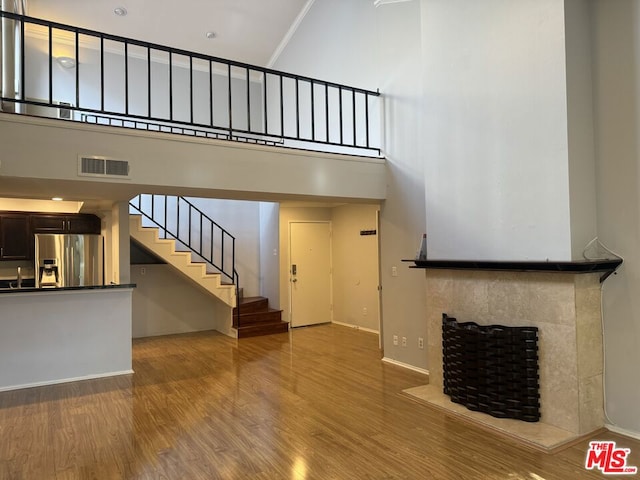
249,31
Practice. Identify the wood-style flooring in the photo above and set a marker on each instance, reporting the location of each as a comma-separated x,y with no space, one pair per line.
314,403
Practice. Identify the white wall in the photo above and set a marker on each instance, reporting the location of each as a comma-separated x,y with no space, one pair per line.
495,132
242,220
582,168
355,266
617,112
166,303
270,253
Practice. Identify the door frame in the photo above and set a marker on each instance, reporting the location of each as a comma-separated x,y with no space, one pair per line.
328,222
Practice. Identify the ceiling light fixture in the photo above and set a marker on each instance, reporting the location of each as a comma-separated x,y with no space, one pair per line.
120,11
57,199
211,35
66,62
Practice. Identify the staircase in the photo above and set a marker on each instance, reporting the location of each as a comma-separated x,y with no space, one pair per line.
176,221
256,318
165,249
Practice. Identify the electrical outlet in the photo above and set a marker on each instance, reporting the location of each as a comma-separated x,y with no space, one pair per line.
404,341
394,271
143,271
364,311
420,343
395,339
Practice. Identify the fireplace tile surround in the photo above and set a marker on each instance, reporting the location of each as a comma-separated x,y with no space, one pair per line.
564,306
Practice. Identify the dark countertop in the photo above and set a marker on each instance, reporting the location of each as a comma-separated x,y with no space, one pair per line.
66,289
605,266
28,282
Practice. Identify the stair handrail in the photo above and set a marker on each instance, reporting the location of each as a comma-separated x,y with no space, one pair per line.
166,227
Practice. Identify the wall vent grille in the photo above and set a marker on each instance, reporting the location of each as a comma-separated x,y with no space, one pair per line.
93,166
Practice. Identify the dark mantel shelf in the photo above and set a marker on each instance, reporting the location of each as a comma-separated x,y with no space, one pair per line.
606,266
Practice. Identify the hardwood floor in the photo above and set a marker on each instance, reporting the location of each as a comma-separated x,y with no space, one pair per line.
315,403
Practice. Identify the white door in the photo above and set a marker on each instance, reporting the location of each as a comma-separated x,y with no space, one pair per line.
310,272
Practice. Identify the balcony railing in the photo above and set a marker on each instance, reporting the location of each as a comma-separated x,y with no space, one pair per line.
117,81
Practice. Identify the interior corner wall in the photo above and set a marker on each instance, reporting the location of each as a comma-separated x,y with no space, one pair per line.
582,167
495,130
616,27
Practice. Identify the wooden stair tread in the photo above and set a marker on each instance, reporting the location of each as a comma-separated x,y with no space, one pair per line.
252,305
259,318
253,299
263,329
270,310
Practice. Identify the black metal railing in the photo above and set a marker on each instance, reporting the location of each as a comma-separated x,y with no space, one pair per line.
113,76
178,219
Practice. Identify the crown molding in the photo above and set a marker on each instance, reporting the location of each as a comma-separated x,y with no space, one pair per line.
287,37
377,3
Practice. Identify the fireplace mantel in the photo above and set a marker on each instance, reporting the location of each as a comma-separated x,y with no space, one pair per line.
563,301
604,266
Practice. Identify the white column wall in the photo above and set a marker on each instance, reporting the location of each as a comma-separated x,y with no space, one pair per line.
495,130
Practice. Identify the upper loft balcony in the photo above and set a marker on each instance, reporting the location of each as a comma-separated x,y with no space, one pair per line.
71,73
176,122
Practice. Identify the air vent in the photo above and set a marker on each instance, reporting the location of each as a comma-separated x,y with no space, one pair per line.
102,167
117,167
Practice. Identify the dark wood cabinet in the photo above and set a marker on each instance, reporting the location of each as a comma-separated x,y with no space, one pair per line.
56,223
18,228
16,239
48,223
84,223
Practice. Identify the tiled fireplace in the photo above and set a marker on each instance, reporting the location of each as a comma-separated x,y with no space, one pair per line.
565,308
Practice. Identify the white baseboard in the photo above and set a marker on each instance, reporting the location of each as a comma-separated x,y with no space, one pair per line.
406,365
364,329
622,431
64,380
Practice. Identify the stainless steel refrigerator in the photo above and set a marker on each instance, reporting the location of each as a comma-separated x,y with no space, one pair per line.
68,260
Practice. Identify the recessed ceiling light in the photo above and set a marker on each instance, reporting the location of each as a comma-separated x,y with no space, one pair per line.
211,35
57,199
120,11
66,62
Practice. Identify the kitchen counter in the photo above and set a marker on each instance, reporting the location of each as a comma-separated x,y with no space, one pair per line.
54,335
62,289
